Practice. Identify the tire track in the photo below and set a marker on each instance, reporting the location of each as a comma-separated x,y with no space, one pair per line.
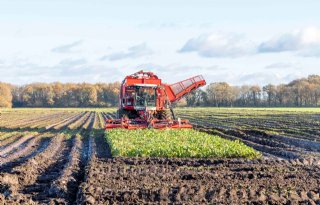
80,121
40,120
89,122
59,183
5,135
62,121
22,157
28,149
25,121
102,149
90,157
8,140
108,116
39,187
102,122
15,145
50,121
268,151
66,185
298,143
111,115
67,122
96,121
27,172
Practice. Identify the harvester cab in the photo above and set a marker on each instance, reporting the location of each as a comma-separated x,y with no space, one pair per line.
141,97
145,102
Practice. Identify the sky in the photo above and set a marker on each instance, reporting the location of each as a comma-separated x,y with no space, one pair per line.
234,41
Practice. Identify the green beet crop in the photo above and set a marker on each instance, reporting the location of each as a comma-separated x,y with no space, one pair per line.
175,143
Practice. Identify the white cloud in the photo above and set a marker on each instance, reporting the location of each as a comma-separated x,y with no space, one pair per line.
66,48
303,42
262,78
136,51
306,41
83,63
283,66
172,73
83,70
219,45
72,62
67,70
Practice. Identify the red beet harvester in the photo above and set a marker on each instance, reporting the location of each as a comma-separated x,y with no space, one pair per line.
145,102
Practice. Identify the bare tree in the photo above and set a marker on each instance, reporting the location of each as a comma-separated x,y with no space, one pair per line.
5,95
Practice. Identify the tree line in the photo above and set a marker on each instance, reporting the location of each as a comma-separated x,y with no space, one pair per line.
60,95
304,92
5,95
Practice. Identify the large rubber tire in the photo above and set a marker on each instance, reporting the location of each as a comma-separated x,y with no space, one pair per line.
127,114
165,115
122,114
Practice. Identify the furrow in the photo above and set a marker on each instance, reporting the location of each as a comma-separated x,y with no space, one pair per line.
16,144
22,151
66,185
66,123
40,184
9,139
22,157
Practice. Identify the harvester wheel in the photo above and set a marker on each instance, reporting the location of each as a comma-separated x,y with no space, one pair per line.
122,114
165,115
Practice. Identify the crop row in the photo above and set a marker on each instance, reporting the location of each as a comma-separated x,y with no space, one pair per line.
174,143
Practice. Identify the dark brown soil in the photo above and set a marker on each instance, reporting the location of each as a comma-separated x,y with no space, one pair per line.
48,168
200,181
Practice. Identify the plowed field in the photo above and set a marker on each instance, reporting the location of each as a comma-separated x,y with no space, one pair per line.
60,156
